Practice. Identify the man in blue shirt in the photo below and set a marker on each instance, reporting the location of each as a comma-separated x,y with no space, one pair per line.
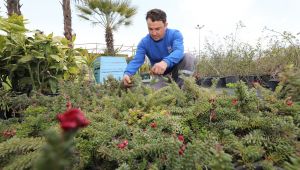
163,47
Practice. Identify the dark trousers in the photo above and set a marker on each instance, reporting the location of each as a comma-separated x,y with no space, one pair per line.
185,67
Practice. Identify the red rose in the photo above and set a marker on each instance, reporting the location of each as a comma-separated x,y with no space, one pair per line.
181,138
153,124
72,119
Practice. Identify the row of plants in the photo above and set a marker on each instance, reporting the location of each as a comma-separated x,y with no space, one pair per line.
142,128
268,57
221,82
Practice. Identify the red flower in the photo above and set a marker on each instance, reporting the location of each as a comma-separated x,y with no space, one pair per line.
72,119
289,102
123,144
182,149
181,152
234,102
181,138
9,133
153,124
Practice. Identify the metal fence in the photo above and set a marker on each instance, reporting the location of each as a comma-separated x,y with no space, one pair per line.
128,50
99,48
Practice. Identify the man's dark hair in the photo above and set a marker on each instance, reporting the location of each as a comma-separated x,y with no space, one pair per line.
157,15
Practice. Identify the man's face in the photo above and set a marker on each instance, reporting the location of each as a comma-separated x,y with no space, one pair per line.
156,29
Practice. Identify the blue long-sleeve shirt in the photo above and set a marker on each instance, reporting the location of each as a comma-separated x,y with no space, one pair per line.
169,49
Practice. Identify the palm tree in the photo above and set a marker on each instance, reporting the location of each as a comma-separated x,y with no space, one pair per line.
110,15
13,7
66,6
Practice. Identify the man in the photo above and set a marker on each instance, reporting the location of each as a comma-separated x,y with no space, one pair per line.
163,47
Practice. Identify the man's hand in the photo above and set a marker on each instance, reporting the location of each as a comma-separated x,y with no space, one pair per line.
127,81
159,68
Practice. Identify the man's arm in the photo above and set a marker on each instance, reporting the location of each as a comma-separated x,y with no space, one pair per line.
137,61
134,64
177,54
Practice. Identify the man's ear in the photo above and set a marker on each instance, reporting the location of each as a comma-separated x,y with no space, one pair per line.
166,24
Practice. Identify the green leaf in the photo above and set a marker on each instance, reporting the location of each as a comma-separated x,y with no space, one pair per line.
39,57
64,41
7,84
73,70
53,85
25,59
55,57
2,42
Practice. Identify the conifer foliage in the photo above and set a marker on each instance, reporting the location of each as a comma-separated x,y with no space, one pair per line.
141,128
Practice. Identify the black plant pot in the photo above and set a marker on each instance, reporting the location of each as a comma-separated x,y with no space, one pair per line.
272,84
231,79
51,94
221,83
249,79
264,80
7,114
256,166
199,81
207,82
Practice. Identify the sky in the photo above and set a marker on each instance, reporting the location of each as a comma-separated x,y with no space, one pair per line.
219,17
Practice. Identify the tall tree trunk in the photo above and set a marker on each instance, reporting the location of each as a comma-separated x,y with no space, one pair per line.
67,20
13,7
109,39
